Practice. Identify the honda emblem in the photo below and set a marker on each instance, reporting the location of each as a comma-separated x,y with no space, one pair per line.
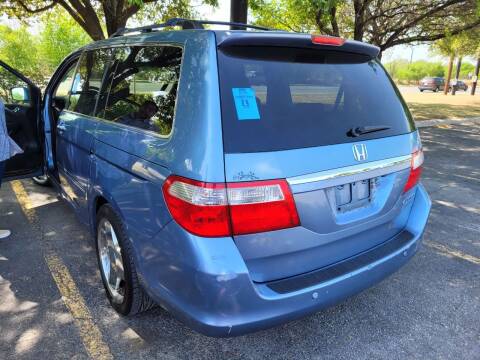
360,152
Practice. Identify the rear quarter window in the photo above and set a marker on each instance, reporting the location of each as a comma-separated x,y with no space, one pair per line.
304,98
144,88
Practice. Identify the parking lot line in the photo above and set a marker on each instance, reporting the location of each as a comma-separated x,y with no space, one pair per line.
91,335
445,250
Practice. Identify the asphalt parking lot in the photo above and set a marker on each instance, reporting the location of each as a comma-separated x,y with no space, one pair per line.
52,302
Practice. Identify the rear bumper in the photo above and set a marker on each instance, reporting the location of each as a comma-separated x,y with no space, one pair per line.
218,298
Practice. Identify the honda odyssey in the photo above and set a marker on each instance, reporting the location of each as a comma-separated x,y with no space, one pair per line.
239,179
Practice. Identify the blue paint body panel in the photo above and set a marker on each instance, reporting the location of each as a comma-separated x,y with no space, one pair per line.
222,300
288,163
221,286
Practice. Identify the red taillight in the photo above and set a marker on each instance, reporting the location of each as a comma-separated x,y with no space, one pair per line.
216,209
415,170
201,208
261,206
327,40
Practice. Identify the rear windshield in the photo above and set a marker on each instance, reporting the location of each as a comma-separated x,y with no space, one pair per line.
280,99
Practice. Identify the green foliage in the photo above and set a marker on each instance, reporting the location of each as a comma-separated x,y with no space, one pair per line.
393,67
466,70
37,56
102,18
291,15
19,49
384,23
405,72
60,36
159,11
458,45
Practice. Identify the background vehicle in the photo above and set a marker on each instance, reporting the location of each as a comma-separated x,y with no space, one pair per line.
269,185
431,83
458,85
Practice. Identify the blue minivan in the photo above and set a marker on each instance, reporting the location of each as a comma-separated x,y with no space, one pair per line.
239,179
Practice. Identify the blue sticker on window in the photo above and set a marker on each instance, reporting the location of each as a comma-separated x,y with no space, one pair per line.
246,104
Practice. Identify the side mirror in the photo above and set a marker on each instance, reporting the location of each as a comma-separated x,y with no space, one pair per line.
20,94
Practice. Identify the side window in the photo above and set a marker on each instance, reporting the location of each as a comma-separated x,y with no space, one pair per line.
144,87
62,92
13,90
65,85
88,80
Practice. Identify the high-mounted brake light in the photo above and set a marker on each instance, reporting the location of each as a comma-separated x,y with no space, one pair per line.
327,40
218,209
415,170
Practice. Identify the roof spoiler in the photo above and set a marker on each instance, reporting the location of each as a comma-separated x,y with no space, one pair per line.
286,39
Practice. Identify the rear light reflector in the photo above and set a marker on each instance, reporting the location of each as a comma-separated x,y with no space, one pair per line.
327,40
218,209
415,170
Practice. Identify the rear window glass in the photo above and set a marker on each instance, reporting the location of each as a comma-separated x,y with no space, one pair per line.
279,99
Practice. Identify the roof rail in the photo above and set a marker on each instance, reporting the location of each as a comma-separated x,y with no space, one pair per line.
186,24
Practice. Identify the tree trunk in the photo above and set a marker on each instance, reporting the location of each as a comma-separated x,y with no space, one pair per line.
449,74
475,79
86,17
114,23
238,13
333,21
359,25
457,75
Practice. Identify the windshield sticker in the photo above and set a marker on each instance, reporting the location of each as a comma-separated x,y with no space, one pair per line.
246,104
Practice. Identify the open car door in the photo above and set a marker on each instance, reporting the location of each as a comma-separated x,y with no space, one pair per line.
22,112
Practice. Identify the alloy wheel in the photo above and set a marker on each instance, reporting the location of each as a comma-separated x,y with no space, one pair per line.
111,262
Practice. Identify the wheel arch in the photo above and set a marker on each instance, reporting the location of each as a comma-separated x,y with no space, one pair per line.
100,198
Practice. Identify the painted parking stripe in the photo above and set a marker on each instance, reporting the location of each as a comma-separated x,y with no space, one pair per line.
452,253
91,336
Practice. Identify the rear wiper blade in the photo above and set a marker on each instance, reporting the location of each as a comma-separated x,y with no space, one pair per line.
361,130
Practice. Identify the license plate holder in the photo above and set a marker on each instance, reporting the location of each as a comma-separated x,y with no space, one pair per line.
353,195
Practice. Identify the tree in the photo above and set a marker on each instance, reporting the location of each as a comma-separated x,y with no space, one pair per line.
96,15
384,23
404,71
37,56
452,46
473,48
393,67
14,52
467,70
59,36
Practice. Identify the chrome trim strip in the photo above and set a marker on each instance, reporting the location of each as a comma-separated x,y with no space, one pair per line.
391,164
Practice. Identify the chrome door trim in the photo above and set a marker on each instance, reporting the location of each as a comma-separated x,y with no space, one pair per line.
385,166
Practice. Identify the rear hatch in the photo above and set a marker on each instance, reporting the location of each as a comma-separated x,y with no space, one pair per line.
331,123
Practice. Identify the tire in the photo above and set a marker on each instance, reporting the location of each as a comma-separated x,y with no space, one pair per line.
42,180
421,90
436,89
127,297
